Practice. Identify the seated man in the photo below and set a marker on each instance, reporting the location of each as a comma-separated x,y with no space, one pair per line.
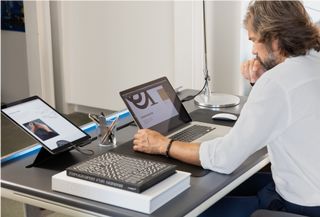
282,113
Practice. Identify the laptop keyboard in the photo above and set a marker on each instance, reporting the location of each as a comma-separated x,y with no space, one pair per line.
192,133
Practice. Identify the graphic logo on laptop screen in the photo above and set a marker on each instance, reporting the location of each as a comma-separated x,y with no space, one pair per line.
139,99
152,106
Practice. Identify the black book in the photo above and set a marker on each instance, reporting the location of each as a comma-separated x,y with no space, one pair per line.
122,171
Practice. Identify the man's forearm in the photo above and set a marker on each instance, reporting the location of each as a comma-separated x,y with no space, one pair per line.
186,152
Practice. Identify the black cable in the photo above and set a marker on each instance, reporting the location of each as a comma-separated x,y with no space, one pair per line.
188,98
132,123
83,151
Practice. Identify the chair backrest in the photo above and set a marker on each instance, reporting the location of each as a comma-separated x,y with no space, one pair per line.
270,213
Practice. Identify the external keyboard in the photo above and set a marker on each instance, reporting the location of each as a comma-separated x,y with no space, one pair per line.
122,171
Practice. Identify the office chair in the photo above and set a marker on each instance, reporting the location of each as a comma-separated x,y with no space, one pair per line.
271,213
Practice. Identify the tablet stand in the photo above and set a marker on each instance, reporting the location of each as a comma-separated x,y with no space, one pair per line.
42,156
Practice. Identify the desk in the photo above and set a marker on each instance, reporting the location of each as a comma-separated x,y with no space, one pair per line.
33,185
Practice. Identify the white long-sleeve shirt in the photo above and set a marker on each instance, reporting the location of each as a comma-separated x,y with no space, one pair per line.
282,113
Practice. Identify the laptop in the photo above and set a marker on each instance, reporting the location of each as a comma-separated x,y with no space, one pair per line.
53,131
156,106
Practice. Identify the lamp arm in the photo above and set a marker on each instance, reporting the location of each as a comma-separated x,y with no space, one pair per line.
207,90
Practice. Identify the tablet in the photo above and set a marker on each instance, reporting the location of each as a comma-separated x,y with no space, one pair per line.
53,131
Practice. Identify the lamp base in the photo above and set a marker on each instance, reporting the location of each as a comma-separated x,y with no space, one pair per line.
217,100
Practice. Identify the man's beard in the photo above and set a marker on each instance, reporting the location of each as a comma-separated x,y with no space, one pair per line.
269,62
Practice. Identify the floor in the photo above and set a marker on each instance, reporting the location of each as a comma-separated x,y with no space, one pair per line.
11,134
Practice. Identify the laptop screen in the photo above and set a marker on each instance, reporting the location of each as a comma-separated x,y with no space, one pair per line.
156,106
44,124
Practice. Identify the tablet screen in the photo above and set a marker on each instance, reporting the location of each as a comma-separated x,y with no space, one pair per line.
44,124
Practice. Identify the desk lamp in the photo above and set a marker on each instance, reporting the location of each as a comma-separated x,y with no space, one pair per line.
208,99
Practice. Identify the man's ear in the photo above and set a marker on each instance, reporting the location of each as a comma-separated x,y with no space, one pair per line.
275,43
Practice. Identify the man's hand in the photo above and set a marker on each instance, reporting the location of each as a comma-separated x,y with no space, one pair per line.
150,142
42,126
33,127
252,70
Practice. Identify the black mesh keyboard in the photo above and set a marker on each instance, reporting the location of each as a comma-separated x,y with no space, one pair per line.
192,133
122,171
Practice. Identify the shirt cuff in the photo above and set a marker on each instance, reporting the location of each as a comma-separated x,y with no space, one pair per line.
204,156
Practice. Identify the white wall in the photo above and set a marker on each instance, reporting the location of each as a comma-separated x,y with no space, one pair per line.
58,57
183,44
26,58
223,44
14,68
110,46
122,44
223,38
100,48
313,9
39,50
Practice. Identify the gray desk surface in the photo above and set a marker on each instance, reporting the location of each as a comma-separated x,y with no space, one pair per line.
36,181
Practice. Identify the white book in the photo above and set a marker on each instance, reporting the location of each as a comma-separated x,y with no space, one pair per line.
146,202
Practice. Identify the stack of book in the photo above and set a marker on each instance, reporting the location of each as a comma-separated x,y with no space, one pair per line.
121,180
146,202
